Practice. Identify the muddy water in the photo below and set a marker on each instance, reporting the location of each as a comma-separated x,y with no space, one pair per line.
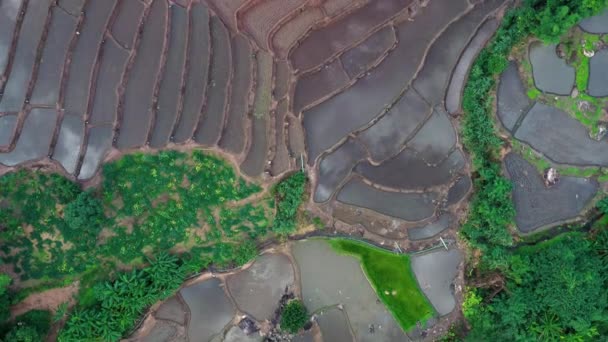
210,309
235,334
596,24
35,137
258,289
431,229
164,331
67,147
435,272
334,326
407,206
335,167
512,98
172,310
565,140
459,76
330,279
598,74
536,205
7,127
551,73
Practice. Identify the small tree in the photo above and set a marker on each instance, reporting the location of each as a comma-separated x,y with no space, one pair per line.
288,195
294,316
23,333
84,217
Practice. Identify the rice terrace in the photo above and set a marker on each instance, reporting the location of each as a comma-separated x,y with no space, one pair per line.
303,170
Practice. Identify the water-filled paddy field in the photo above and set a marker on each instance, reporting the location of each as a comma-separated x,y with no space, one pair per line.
353,290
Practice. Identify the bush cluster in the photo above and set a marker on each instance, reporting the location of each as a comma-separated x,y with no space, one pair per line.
32,326
50,230
118,304
556,291
148,203
288,196
294,316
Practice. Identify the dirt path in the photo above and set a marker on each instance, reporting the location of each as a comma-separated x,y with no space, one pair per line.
46,300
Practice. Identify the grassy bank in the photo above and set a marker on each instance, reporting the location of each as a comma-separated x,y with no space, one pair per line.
393,280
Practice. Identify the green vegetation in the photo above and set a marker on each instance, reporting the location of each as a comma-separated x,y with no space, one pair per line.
534,93
288,195
602,206
294,316
5,302
393,280
148,203
160,201
190,210
554,290
36,238
549,19
588,110
29,327
119,303
576,45
491,211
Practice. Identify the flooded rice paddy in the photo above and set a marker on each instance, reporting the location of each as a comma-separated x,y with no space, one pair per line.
358,93
333,287
556,124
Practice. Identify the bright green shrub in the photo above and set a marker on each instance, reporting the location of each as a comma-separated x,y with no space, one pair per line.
294,316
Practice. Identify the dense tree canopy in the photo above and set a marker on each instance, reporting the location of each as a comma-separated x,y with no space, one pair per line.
555,290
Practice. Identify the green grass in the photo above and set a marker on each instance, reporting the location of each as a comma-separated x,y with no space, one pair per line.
534,93
582,74
581,62
390,273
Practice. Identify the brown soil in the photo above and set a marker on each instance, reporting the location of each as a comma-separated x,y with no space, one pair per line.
46,300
